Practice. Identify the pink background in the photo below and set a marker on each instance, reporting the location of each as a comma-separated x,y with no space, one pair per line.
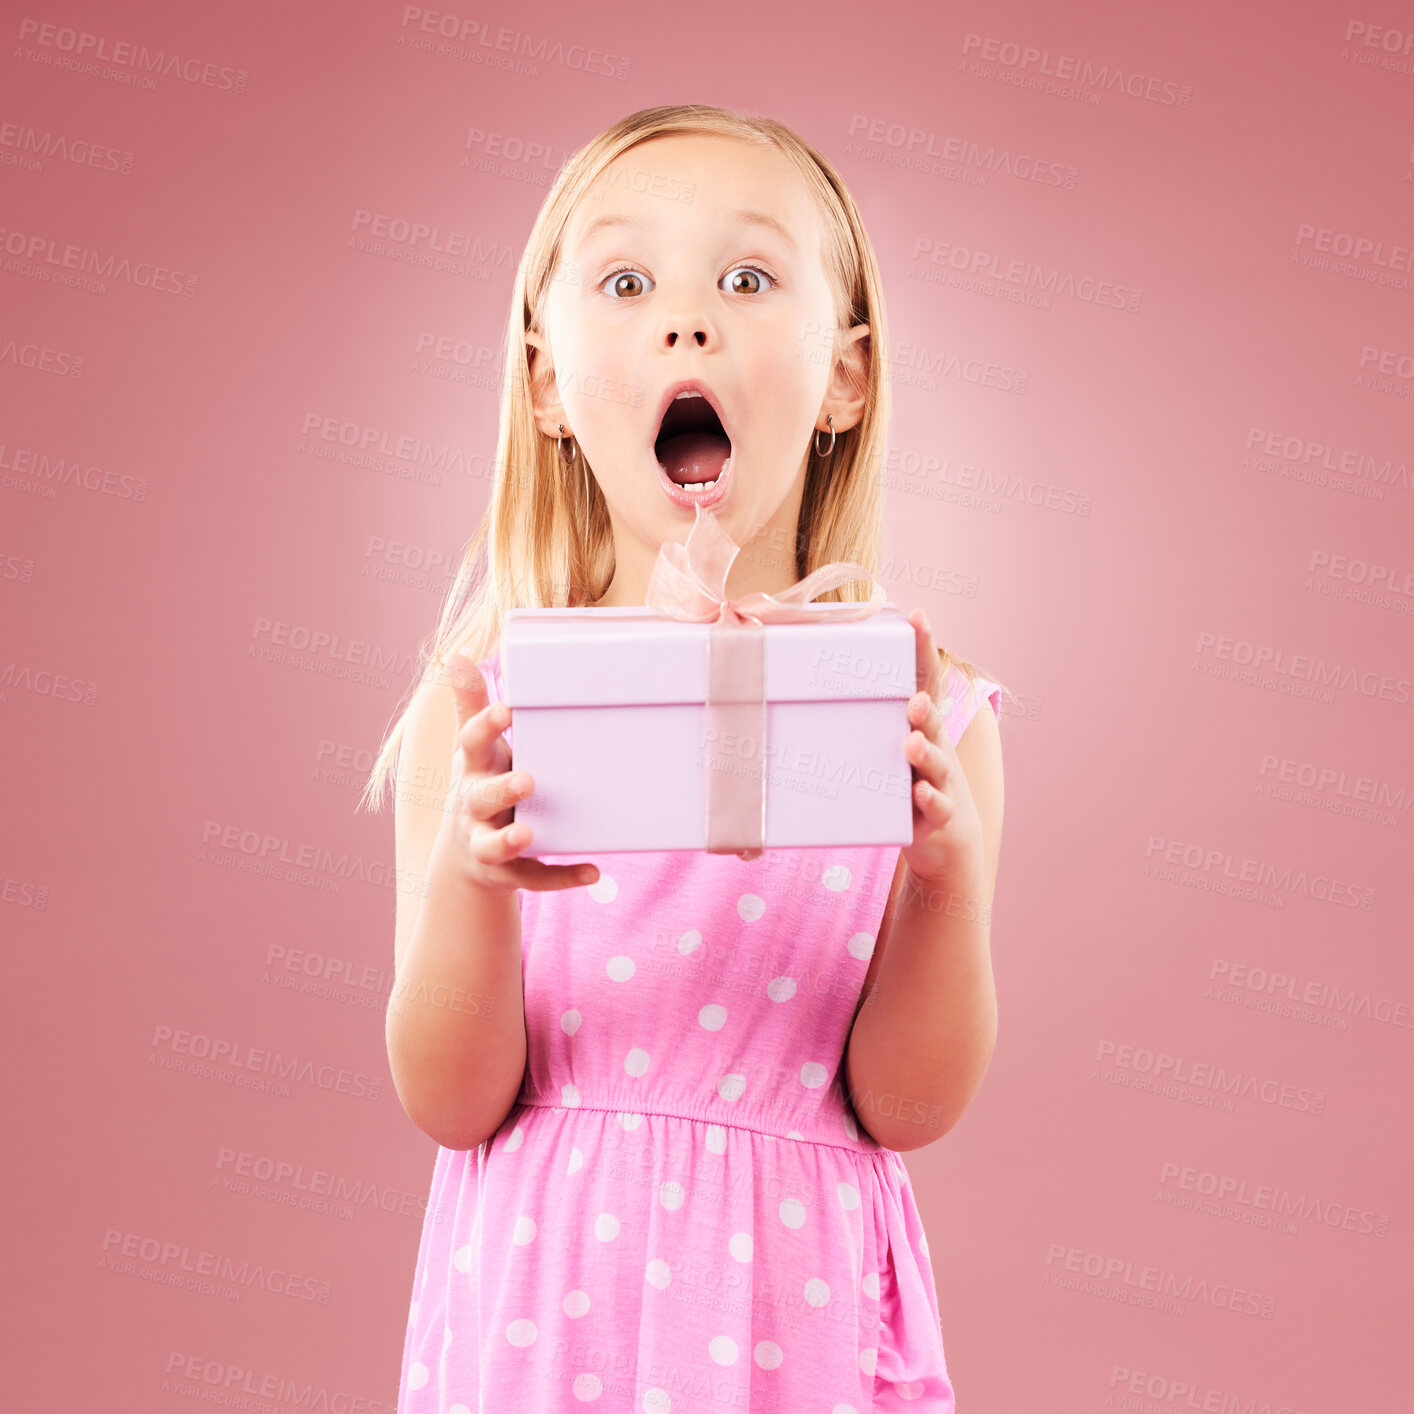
1174,517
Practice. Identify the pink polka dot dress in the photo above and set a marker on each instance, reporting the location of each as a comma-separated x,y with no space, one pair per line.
681,1213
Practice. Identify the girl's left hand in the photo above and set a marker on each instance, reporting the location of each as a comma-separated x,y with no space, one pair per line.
947,830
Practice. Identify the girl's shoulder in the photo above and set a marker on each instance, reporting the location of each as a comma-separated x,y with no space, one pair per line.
961,700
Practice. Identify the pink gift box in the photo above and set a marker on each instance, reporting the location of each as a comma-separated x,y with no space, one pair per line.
611,715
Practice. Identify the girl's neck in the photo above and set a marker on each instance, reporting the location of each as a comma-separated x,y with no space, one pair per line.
770,574
765,563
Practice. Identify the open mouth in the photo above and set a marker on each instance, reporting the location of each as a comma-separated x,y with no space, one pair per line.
692,446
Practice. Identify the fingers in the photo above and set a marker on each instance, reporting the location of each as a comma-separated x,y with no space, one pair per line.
468,687
932,761
926,755
934,805
487,792
488,796
477,736
500,846
929,672
499,851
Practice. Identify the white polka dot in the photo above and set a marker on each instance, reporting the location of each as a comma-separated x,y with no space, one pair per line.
620,968
606,1227
769,1355
569,1096
870,1285
794,1134
671,1194
658,1274
576,1304
850,1127
751,907
867,1358
792,1212
417,1375
740,1245
587,1387
689,942
513,1142
636,1062
849,1196
576,1161
458,1409
836,878
722,1349
603,889
657,1401
817,1292
461,1259
844,1409
732,1087
861,945
712,1017
813,1075
521,1332
780,989
524,1231
716,1139
923,1243
630,1121
571,1021
912,1389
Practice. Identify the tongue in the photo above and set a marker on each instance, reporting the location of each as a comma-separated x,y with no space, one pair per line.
694,456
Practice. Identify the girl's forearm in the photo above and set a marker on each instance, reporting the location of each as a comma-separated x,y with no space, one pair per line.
456,1017
924,1036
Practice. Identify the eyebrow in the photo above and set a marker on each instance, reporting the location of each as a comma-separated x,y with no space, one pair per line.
743,217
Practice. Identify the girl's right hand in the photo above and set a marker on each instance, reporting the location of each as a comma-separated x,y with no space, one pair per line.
479,834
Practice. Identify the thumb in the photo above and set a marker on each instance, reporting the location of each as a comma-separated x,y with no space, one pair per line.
468,687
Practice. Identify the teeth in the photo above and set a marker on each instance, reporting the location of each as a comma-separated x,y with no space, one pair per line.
688,394
696,486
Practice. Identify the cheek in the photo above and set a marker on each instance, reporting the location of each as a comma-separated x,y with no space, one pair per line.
599,381
786,389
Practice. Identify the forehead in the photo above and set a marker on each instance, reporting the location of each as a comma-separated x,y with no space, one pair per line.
682,179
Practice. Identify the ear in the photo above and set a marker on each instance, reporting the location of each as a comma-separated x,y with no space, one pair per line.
845,395
544,391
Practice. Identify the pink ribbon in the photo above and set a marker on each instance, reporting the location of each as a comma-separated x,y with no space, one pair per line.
689,583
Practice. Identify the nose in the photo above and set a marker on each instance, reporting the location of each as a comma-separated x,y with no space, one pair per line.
687,323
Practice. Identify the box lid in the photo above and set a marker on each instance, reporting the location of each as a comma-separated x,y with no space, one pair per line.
610,657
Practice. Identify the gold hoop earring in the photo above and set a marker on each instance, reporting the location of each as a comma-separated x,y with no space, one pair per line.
560,445
830,418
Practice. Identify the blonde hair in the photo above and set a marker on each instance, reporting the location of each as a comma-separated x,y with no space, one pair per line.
546,533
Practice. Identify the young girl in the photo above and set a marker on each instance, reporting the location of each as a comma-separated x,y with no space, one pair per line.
670,1089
